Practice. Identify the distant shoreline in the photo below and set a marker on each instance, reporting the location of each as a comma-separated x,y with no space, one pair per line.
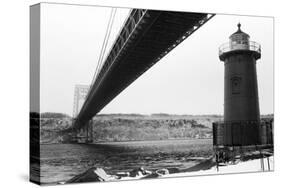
109,142
175,139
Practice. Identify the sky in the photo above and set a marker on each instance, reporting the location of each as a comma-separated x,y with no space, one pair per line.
189,80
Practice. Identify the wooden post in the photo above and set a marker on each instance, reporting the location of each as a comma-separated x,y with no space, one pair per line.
262,163
268,163
217,160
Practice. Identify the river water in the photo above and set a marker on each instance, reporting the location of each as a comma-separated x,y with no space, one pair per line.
60,162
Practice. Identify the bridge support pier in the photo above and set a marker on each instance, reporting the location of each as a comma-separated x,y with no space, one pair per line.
89,138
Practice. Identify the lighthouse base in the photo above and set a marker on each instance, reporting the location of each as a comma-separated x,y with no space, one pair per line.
243,133
237,140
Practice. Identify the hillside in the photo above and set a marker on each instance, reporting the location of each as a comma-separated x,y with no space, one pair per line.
129,127
116,128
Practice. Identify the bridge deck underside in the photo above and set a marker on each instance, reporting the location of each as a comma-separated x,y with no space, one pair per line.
156,34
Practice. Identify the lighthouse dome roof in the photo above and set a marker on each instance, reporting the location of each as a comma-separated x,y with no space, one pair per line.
239,33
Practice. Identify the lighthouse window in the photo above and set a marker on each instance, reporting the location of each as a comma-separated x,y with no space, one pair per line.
236,84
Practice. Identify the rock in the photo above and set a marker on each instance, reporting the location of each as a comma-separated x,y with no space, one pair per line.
92,175
173,170
157,173
123,174
152,175
139,172
163,171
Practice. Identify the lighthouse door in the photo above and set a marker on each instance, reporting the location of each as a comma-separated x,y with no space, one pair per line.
236,84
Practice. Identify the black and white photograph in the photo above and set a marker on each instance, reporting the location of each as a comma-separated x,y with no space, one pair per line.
120,93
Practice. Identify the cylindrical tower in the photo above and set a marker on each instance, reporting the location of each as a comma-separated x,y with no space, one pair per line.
241,103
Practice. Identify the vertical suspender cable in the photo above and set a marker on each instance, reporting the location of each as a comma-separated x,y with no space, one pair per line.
104,44
105,41
109,32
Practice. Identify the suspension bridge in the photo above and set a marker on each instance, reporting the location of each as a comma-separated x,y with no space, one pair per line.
144,39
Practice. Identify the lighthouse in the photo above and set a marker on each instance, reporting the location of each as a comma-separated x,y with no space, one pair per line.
241,123
241,101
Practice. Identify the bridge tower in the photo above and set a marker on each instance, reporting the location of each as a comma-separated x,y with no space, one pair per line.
241,104
80,93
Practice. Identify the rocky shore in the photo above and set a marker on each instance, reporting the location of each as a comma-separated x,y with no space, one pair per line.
95,174
207,167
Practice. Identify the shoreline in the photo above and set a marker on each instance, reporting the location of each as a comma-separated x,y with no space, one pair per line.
112,142
207,167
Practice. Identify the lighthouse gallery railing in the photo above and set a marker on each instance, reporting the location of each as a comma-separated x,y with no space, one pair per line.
228,46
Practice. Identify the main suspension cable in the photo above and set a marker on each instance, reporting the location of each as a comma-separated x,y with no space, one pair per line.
105,42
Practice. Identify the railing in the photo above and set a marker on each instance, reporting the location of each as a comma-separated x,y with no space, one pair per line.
227,47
